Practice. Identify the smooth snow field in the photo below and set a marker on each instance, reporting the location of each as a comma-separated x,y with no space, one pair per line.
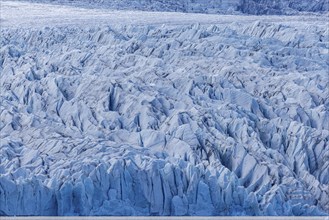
114,112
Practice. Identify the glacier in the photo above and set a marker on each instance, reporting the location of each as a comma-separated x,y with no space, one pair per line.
158,113
254,7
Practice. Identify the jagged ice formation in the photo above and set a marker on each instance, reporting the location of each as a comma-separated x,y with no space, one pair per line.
200,119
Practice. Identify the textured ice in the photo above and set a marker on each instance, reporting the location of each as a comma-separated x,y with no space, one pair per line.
258,7
228,116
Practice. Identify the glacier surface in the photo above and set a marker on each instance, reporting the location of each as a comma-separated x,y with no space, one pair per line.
256,7
129,113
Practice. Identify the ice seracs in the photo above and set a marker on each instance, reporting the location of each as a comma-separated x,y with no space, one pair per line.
200,119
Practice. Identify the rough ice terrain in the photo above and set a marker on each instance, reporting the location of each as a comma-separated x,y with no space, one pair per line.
151,113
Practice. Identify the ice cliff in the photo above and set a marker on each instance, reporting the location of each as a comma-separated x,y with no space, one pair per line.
228,119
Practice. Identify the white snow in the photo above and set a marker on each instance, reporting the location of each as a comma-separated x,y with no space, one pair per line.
108,112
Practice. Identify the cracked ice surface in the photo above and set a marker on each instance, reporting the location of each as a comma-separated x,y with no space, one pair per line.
225,117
